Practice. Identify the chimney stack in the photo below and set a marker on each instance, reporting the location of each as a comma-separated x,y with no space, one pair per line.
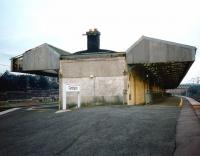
93,40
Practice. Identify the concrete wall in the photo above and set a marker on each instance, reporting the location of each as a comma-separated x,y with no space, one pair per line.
41,58
139,85
99,67
102,80
150,50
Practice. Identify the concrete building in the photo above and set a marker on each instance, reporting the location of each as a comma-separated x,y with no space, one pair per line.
137,76
43,60
156,65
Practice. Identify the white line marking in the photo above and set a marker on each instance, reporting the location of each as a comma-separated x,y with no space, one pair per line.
9,110
62,111
193,101
32,108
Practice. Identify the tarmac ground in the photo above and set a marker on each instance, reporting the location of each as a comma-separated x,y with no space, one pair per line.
100,131
188,129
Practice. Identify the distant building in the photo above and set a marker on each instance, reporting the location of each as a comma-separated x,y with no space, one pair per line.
137,76
183,89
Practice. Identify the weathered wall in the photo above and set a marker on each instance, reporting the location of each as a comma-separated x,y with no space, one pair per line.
137,87
99,67
102,80
99,90
141,88
41,58
150,50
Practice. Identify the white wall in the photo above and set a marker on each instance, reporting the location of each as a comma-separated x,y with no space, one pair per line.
103,83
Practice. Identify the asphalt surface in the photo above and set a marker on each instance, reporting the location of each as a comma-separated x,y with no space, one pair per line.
100,131
188,132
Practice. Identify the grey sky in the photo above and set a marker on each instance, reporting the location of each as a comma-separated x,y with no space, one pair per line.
29,23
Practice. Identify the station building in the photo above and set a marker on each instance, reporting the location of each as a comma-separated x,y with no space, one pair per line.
139,75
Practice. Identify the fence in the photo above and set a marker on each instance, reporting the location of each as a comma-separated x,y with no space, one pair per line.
29,94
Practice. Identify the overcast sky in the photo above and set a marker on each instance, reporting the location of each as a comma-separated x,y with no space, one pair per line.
25,24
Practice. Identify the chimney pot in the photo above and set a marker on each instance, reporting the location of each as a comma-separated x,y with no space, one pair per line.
93,40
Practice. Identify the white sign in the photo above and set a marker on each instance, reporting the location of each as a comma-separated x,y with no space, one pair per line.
72,88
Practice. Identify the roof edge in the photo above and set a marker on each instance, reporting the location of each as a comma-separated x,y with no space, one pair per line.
169,42
161,40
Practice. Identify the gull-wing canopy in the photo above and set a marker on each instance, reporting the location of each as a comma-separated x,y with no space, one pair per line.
43,59
166,62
